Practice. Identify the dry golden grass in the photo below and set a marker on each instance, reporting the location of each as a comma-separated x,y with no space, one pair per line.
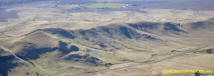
131,57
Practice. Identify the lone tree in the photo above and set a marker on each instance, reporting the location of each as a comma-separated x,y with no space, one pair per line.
197,73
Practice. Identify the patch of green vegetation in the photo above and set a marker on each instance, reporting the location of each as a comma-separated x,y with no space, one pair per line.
105,5
70,6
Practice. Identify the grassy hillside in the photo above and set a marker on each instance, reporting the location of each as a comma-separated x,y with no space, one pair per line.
72,40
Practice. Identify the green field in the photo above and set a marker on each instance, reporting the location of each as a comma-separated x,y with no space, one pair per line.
105,5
